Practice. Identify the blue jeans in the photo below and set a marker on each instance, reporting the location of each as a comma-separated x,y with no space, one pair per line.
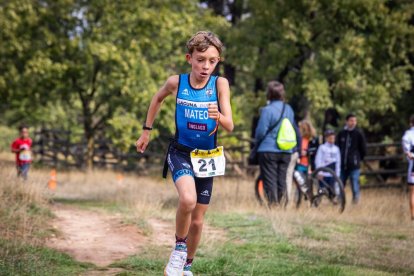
354,176
23,170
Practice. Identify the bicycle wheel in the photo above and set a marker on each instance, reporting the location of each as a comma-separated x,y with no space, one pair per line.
327,194
297,194
259,190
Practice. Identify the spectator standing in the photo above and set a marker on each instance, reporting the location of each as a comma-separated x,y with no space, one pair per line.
301,161
408,147
274,161
328,155
310,144
352,145
22,148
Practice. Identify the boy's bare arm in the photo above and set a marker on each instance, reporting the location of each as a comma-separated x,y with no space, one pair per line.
169,87
225,117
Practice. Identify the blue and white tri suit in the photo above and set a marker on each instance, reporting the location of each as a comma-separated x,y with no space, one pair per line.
192,131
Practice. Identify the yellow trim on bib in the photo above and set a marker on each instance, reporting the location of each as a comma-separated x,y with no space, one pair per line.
197,153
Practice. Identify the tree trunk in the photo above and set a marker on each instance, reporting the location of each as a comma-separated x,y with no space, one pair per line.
90,145
233,11
88,129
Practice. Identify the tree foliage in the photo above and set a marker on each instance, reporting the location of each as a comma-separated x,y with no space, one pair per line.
351,55
92,66
102,59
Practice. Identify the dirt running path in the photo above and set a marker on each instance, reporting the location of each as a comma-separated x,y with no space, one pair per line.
102,239
94,237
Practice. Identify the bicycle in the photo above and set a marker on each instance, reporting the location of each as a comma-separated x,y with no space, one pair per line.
309,188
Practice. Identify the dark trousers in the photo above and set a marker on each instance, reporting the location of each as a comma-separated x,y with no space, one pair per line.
273,169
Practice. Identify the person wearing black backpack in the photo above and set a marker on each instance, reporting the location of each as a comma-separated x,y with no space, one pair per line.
274,156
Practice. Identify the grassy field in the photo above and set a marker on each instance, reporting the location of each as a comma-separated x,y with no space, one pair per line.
372,238
24,217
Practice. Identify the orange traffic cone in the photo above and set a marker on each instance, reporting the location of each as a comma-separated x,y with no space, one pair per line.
51,184
120,178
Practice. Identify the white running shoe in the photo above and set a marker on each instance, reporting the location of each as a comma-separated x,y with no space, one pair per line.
176,263
187,273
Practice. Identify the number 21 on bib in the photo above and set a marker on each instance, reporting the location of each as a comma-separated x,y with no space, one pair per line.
208,163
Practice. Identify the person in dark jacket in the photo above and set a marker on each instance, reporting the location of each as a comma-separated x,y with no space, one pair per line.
352,144
274,161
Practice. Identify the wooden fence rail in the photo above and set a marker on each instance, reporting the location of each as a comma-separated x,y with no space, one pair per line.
384,164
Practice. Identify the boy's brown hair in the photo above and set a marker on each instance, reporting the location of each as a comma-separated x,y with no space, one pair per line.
202,40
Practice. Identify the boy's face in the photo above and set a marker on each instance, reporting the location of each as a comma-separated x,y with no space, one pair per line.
203,63
24,133
330,139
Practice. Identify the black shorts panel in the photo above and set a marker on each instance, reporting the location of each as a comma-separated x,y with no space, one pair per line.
179,163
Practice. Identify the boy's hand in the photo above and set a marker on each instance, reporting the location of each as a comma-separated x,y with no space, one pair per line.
213,112
143,141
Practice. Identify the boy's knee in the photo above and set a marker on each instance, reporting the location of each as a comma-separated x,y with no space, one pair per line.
187,202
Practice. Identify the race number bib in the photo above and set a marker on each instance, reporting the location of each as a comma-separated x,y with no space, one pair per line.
208,163
25,155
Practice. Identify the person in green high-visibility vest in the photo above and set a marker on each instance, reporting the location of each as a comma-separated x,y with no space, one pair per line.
274,160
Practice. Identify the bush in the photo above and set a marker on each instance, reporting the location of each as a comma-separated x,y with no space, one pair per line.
7,135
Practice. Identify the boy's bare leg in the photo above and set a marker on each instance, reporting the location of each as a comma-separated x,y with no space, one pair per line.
187,199
196,227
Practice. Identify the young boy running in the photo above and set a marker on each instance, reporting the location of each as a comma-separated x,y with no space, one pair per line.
22,148
202,104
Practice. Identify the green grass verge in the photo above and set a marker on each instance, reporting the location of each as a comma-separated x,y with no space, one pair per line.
251,248
21,259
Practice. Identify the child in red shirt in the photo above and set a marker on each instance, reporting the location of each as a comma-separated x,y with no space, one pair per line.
22,147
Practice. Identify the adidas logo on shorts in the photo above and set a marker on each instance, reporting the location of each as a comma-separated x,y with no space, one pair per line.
205,193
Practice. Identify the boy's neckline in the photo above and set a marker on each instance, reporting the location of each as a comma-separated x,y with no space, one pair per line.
192,87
